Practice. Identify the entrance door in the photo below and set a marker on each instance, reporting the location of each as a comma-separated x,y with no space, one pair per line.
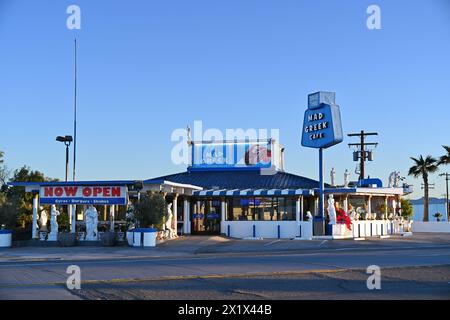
205,217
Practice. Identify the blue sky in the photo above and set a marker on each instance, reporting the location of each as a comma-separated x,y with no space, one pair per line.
149,67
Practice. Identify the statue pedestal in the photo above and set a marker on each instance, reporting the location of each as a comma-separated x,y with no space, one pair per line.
43,235
91,238
52,236
340,231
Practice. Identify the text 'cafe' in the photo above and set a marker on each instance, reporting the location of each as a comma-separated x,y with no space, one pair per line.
237,189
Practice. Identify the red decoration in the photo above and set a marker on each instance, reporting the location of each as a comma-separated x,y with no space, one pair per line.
342,217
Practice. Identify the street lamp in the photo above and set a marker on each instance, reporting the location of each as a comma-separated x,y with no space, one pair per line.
66,140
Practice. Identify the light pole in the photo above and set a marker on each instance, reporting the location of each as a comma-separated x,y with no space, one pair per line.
66,140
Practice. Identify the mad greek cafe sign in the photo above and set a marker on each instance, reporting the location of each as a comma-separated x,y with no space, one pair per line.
322,126
100,195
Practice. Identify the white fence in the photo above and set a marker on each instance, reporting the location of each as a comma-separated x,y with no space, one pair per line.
374,228
267,229
420,226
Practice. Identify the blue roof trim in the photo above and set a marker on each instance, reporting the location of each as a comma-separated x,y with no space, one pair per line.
240,179
74,183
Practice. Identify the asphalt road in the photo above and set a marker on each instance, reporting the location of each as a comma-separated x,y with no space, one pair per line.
406,272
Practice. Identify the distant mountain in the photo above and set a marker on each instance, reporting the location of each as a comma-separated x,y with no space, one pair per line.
432,201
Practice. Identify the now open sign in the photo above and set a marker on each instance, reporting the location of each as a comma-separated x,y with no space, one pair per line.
66,195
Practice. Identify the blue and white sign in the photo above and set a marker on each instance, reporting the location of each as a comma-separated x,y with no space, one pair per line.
83,195
231,155
322,127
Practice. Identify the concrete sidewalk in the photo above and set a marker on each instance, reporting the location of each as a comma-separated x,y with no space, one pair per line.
191,246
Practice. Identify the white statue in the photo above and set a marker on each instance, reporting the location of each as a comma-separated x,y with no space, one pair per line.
331,210
91,220
353,215
333,177
391,179
170,232
397,179
309,215
346,178
43,219
188,133
129,216
54,213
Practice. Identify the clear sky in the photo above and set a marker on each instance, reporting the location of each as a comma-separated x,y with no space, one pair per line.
149,67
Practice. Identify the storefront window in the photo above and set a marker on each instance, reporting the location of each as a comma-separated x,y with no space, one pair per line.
205,217
261,209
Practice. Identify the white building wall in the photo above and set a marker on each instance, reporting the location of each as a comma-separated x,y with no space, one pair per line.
267,229
419,226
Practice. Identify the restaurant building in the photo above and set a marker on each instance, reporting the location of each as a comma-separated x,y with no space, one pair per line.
237,189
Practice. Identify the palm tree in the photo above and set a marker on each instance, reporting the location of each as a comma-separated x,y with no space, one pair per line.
423,167
445,159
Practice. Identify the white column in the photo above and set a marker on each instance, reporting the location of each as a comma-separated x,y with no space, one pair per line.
223,215
175,212
72,217
316,206
69,215
112,210
223,210
386,207
187,220
35,210
369,205
298,209
345,203
302,207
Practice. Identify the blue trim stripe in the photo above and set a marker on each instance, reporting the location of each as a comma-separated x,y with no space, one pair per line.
254,192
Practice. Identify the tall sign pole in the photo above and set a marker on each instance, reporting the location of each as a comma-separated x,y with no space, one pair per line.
322,129
73,209
75,113
321,185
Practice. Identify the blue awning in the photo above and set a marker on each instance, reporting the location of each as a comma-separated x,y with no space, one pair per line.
253,192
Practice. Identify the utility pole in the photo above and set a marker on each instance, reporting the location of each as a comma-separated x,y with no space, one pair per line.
447,178
361,153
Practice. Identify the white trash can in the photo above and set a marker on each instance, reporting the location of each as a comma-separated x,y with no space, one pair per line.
150,237
144,237
130,236
5,238
137,236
